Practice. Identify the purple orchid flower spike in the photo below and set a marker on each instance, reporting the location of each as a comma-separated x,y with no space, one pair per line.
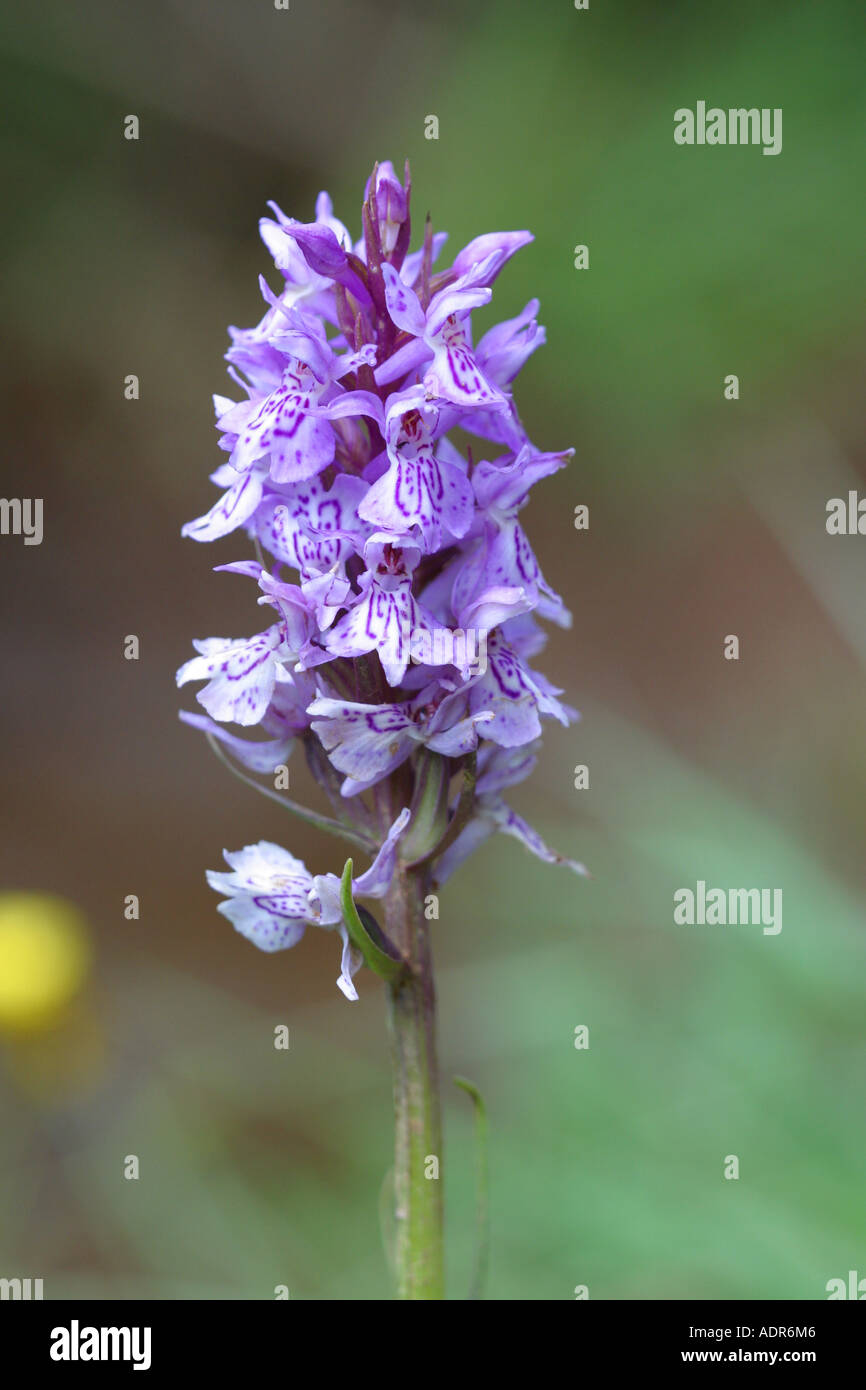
412,608
404,600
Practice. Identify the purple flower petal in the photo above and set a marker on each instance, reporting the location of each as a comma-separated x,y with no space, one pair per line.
258,757
240,675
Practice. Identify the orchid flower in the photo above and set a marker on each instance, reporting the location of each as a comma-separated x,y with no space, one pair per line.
404,597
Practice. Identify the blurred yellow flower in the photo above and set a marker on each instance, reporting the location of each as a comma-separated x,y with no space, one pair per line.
44,959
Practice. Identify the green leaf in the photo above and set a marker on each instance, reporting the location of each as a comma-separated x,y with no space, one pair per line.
367,935
461,816
429,807
482,1223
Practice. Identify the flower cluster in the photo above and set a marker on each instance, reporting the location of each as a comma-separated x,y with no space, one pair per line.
402,590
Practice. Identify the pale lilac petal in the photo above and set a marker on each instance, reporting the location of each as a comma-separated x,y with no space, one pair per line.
258,757
268,895
499,768
234,508
505,483
365,742
377,880
493,815
510,823
506,690
455,376
255,867
263,921
325,899
350,963
319,247
501,246
504,350
462,738
311,528
299,444
380,621
493,607
240,675
403,304
355,403
325,215
294,608
453,301
471,838
403,361
326,593
422,491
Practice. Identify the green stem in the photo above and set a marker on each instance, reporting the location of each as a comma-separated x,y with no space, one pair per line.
418,1248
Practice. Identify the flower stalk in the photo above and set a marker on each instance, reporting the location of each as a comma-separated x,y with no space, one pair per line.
418,1218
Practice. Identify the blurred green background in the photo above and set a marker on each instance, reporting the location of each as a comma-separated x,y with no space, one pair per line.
258,1167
